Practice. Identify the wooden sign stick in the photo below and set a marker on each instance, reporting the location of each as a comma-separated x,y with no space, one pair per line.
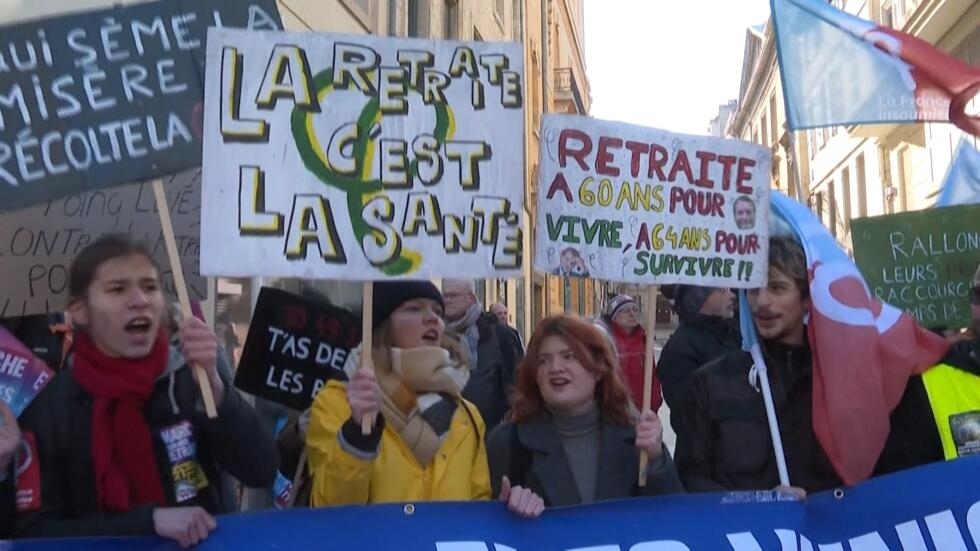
294,489
367,347
651,328
181,285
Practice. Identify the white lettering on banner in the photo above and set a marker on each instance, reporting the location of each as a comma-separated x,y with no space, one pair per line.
943,529
11,364
973,524
745,541
470,546
910,536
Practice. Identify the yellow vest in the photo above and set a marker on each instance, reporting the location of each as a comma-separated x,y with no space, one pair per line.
954,396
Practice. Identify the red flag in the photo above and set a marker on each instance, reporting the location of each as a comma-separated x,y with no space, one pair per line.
864,350
839,69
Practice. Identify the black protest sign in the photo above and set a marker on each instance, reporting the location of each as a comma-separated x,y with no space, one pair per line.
108,97
294,346
921,261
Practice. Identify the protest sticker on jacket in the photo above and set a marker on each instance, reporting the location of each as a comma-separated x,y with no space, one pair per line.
107,97
294,346
364,158
39,243
185,470
625,203
22,374
921,262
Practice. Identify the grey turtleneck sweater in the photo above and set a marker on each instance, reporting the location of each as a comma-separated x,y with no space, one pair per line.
581,438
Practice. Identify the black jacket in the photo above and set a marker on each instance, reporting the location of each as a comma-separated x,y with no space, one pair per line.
8,508
61,419
692,345
726,443
491,381
535,458
914,438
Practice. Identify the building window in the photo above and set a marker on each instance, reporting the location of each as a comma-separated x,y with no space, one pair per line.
832,208
773,118
903,179
360,9
862,187
450,20
845,185
517,25
499,9
418,18
764,127
893,14
818,205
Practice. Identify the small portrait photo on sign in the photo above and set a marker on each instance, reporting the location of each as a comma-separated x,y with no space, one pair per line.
571,264
744,210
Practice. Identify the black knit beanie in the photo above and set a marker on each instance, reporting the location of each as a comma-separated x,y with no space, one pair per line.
390,294
688,300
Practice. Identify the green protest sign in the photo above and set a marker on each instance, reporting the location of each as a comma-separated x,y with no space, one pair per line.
921,261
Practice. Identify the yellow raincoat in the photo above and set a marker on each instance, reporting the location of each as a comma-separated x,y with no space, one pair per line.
459,471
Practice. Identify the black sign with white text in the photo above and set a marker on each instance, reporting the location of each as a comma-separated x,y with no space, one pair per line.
294,346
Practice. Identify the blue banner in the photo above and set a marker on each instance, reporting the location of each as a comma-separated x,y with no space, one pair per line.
934,507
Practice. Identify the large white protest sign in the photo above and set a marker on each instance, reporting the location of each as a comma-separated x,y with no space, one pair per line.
625,203
356,157
38,244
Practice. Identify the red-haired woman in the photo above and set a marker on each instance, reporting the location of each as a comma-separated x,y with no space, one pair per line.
571,437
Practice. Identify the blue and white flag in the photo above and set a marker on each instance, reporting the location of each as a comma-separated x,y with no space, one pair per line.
839,69
961,186
861,346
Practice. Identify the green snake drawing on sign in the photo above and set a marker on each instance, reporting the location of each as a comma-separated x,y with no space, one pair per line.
360,187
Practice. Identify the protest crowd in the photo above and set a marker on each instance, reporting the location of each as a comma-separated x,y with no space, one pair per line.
126,414
121,415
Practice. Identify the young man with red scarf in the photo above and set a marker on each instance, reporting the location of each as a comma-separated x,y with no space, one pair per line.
120,438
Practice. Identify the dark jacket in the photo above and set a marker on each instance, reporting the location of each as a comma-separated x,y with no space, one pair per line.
914,438
692,345
726,443
491,381
8,504
535,458
61,419
291,446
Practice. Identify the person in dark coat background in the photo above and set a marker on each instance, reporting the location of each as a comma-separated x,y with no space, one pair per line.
707,332
9,442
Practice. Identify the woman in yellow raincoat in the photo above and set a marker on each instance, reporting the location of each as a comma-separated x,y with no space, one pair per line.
427,443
